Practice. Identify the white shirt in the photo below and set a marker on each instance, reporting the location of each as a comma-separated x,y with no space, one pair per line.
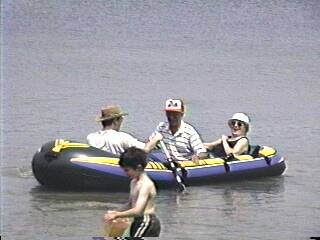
184,143
113,141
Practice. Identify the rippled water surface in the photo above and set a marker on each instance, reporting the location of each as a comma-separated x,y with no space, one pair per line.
63,60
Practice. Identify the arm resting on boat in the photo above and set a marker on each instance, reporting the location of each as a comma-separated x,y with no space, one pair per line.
199,156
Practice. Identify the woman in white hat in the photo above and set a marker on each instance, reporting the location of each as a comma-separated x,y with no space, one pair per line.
237,143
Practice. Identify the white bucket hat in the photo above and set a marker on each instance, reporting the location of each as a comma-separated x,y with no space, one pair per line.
241,117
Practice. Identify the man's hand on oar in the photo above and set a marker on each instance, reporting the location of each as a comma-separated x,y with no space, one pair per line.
173,168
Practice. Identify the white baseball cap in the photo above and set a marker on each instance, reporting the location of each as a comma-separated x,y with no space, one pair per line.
174,105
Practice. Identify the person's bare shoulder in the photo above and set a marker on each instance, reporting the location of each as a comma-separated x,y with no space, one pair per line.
133,182
150,185
243,141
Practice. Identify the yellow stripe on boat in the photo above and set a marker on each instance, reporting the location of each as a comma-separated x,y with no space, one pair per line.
264,152
244,157
211,162
113,162
267,151
156,166
60,144
150,165
160,165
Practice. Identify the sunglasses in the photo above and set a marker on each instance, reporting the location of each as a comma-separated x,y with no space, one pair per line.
236,122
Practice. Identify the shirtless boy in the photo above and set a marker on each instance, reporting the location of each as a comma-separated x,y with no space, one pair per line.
142,193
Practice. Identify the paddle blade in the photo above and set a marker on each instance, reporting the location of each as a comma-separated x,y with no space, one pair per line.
181,186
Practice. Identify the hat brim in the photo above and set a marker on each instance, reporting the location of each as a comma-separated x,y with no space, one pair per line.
173,110
229,122
100,118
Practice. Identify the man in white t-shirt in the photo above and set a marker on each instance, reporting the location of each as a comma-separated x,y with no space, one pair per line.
110,138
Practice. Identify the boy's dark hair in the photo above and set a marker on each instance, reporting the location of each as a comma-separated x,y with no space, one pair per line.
133,157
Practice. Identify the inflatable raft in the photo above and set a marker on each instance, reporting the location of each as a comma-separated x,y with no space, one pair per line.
63,164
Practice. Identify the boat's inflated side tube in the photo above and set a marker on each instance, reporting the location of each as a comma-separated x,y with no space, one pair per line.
52,166
66,164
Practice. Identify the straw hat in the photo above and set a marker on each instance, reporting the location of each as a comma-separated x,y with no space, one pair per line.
110,112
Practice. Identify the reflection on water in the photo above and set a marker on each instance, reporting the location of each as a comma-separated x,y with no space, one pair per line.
261,193
224,208
230,202
52,200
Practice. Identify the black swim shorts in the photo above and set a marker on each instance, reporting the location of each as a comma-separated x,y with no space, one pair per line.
145,226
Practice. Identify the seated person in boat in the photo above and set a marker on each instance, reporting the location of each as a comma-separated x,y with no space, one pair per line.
181,139
110,138
141,200
237,143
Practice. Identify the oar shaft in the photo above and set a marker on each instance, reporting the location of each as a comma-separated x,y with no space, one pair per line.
166,152
173,166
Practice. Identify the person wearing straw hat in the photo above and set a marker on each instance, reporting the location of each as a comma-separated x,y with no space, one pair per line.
110,138
237,143
180,138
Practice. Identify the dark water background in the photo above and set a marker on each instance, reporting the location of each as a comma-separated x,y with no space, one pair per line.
63,60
